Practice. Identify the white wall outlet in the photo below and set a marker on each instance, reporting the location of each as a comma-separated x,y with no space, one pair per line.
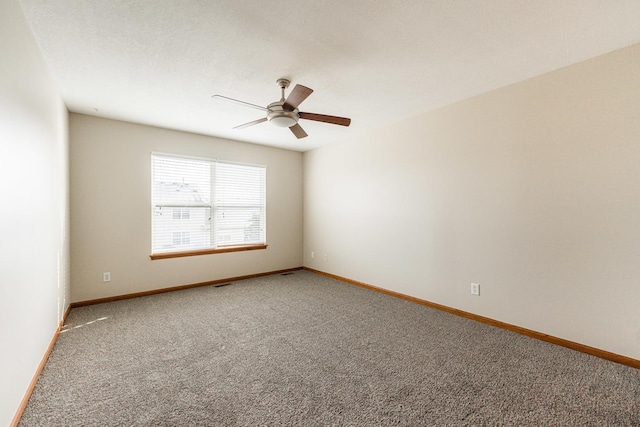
313,254
106,276
475,289
326,258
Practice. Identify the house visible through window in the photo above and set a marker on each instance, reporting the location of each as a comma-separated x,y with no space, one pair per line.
206,204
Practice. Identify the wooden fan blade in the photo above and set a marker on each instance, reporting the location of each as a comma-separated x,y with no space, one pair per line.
298,131
295,98
237,101
334,120
255,122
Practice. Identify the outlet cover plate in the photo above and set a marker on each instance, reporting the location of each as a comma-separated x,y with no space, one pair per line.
475,289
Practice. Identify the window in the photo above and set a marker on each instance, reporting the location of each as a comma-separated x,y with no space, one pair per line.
205,205
181,238
181,213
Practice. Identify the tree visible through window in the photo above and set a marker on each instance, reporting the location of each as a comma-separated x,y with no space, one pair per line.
202,203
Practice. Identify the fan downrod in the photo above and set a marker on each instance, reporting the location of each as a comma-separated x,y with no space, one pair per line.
277,115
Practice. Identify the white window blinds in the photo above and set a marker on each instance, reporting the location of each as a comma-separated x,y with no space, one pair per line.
202,204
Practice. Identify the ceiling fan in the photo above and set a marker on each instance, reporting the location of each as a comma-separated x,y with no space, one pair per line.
285,113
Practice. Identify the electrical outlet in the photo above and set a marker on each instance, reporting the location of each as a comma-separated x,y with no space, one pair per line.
313,254
106,276
475,289
326,258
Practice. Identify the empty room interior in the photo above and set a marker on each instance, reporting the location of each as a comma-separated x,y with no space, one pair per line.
472,165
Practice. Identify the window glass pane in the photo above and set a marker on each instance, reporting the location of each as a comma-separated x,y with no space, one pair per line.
181,213
240,196
192,231
181,181
240,225
240,185
181,238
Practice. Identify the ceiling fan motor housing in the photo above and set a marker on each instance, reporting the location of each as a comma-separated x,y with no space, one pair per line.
281,117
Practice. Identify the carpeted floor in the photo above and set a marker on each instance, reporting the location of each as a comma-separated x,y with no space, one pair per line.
306,350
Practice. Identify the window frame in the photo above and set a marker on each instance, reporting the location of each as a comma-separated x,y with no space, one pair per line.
213,205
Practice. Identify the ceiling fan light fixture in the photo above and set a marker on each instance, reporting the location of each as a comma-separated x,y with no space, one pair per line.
283,121
281,117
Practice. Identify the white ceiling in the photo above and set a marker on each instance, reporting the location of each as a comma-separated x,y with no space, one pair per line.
158,62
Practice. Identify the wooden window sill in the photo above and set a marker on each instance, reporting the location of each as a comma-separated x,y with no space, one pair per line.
207,251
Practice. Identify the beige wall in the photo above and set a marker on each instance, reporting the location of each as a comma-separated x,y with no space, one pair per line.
532,190
111,209
34,216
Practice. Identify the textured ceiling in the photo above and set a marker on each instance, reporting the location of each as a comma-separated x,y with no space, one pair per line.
158,62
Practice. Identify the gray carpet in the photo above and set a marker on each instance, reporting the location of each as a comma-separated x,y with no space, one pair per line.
306,350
